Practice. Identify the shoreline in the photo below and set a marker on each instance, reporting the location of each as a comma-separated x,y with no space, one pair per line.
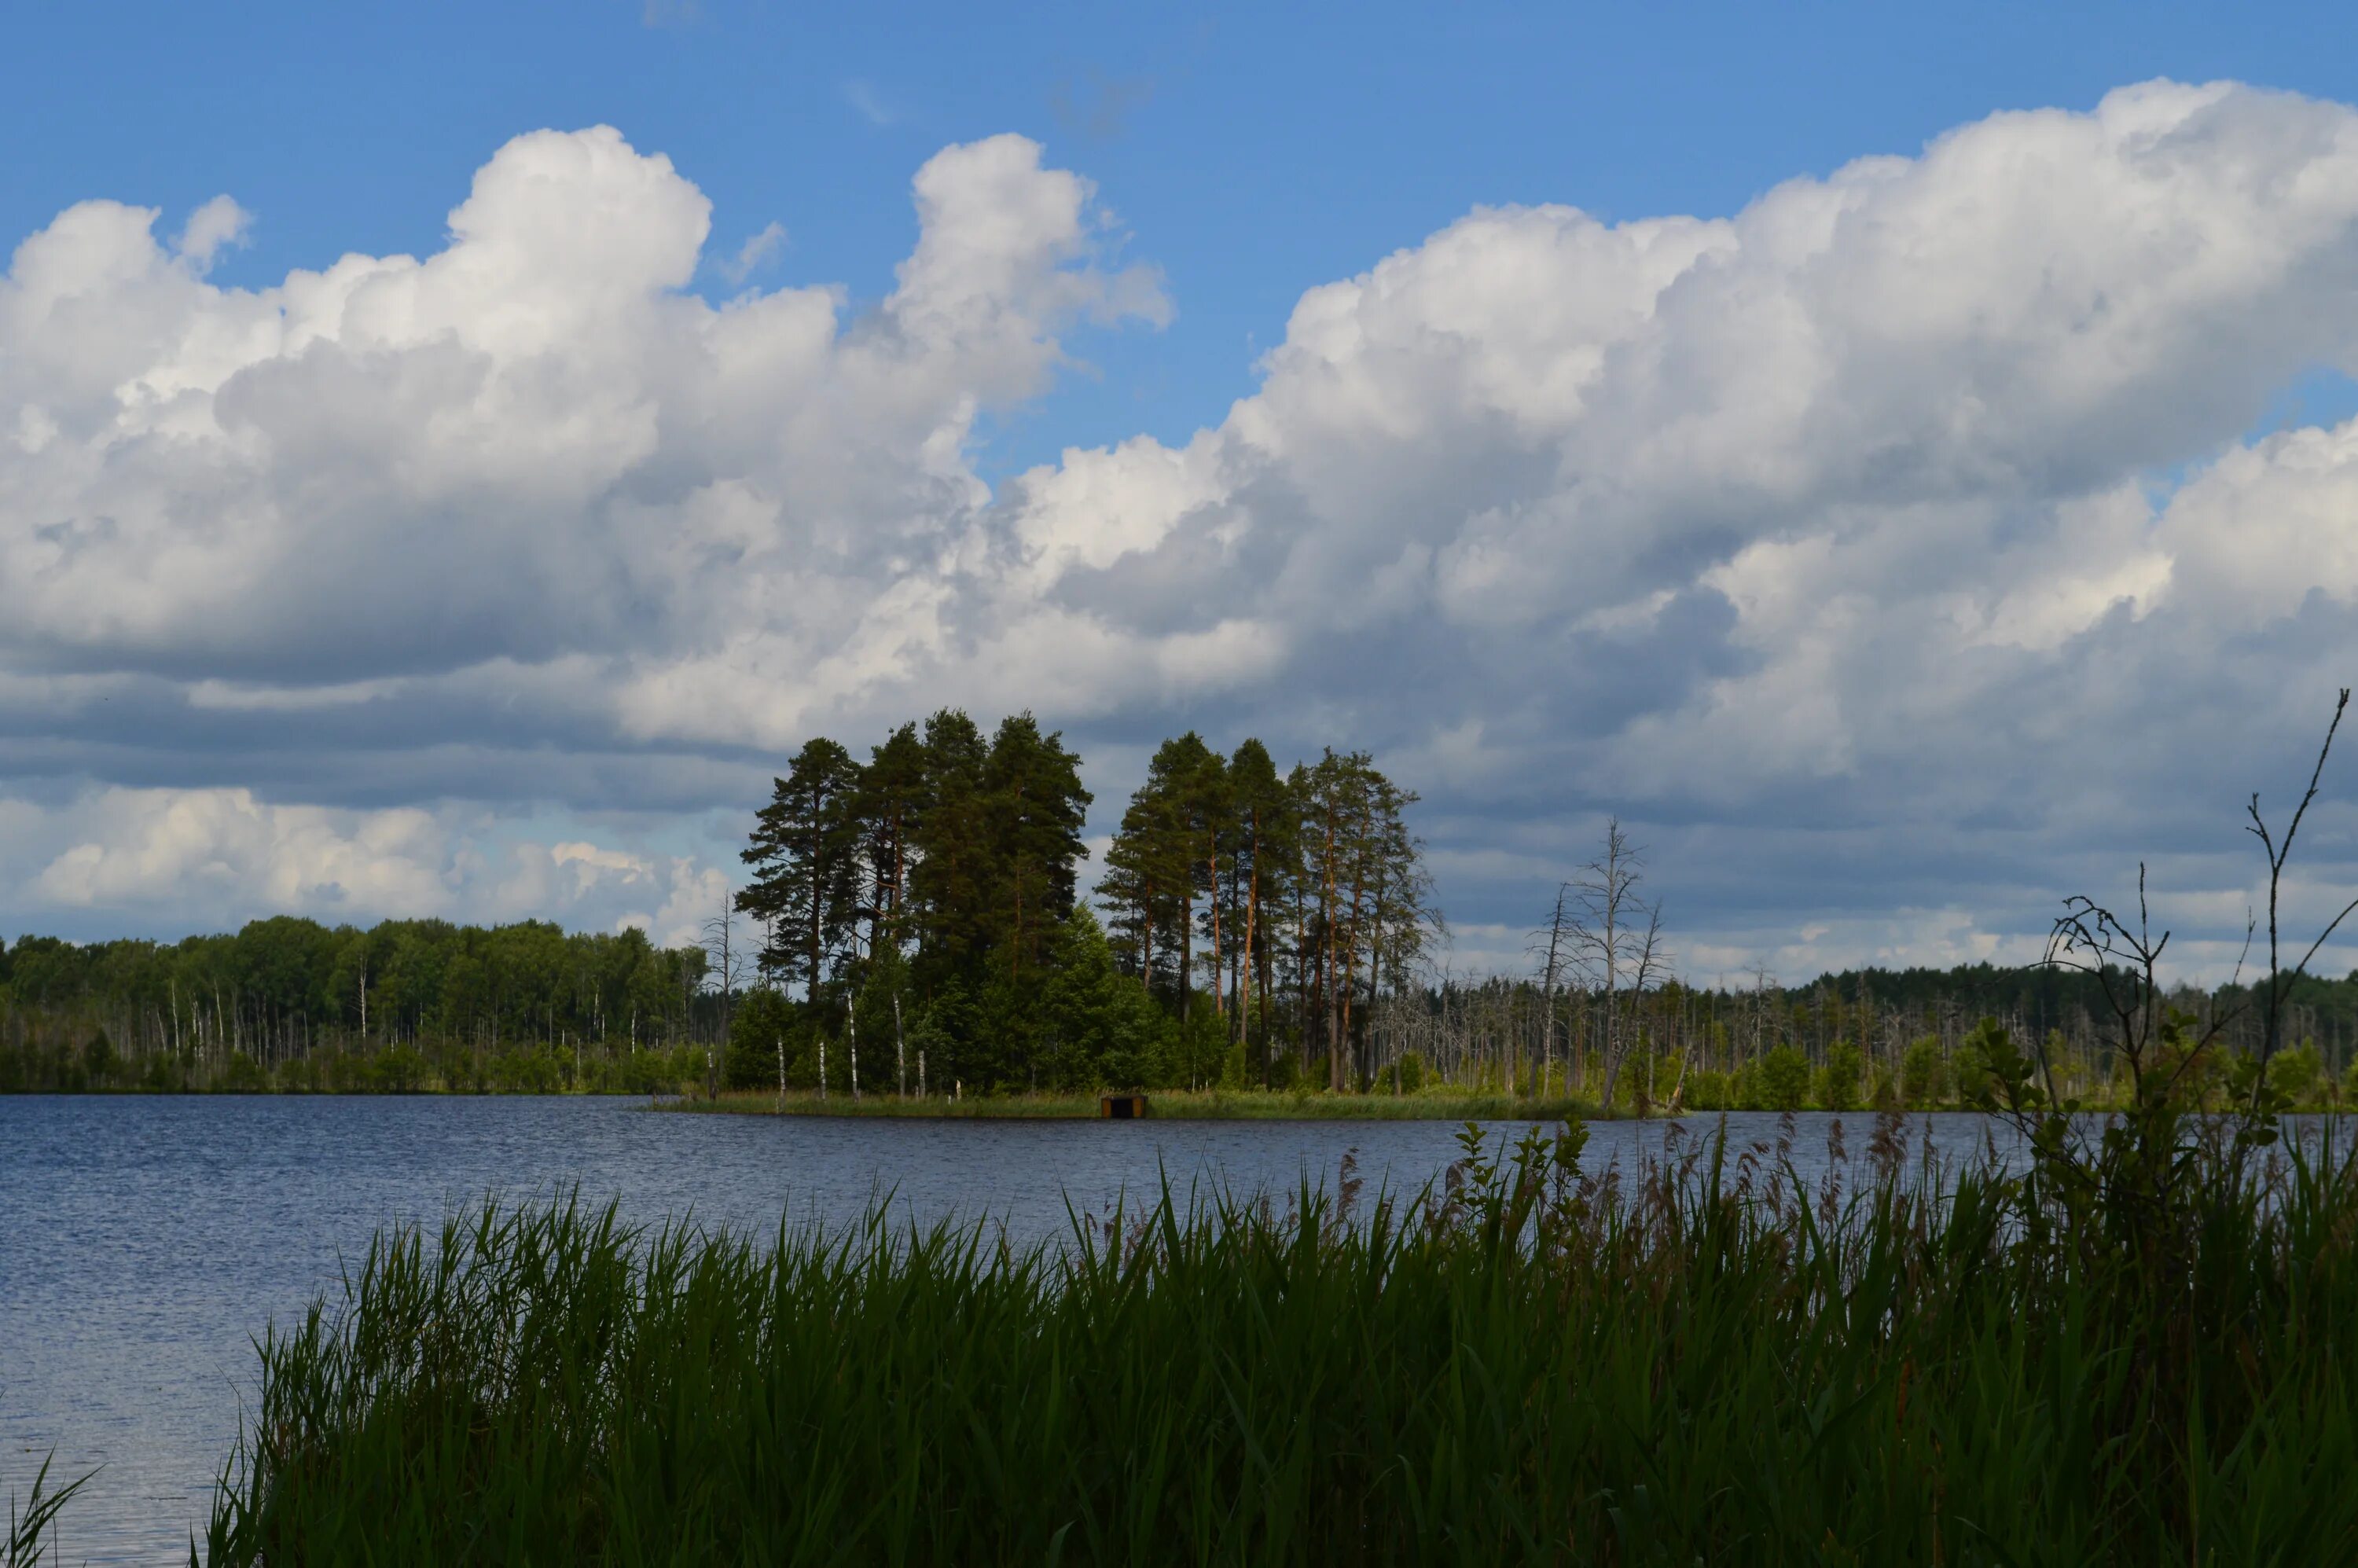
1197,1105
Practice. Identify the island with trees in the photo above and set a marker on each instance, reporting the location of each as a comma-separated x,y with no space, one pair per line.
920,933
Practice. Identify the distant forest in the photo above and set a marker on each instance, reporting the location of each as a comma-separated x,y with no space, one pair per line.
290,1003
916,922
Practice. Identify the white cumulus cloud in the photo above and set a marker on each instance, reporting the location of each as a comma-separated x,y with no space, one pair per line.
1895,545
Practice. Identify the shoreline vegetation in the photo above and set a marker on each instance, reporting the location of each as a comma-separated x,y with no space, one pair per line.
916,921
1179,1105
1934,1072
1693,1357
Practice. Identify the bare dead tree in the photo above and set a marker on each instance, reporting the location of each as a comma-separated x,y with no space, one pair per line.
1556,950
2163,1051
2280,980
728,961
2124,960
1615,935
1761,980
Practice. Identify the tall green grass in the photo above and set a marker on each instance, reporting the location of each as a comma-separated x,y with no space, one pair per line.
30,1529
1692,1360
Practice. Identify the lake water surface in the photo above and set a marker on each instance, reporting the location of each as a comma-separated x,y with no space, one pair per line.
144,1241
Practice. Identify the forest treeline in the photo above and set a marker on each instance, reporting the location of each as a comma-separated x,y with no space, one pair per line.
919,921
1917,1039
529,1007
406,1004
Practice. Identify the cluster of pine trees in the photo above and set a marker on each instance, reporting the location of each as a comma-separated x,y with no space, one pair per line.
922,926
1287,902
926,895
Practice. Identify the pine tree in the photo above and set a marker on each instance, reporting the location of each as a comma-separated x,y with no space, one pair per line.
1035,810
890,807
1268,846
1100,1028
1164,856
1145,870
951,879
1209,804
803,854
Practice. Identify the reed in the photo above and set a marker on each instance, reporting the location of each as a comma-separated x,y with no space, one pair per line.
31,1531
1693,1359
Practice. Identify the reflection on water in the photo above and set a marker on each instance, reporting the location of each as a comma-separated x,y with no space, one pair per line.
144,1241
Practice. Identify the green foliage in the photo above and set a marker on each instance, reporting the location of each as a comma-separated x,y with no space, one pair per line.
307,1007
1744,1091
526,1070
1648,1077
804,855
1993,1073
948,1032
2297,1075
1970,1072
1194,1048
1955,1368
1099,1026
1710,1089
1783,1079
764,1020
396,1069
98,1058
1924,1073
1838,1079
30,1535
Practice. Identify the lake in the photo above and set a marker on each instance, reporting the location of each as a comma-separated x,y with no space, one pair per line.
145,1241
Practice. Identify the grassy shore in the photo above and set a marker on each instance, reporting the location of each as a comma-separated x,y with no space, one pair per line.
1694,1360
1174,1105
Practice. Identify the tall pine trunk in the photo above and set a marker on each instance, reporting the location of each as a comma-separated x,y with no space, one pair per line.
1245,972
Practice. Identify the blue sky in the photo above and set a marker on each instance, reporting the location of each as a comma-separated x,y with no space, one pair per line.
1248,150
1889,541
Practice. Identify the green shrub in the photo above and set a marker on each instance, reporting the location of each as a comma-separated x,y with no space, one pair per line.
1838,1079
2297,1075
764,1018
1658,1074
98,1060
1969,1070
527,1070
1784,1079
1744,1089
1104,1031
1924,1073
398,1069
1707,1089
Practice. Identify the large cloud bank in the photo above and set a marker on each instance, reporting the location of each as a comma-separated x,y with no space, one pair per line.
1899,552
